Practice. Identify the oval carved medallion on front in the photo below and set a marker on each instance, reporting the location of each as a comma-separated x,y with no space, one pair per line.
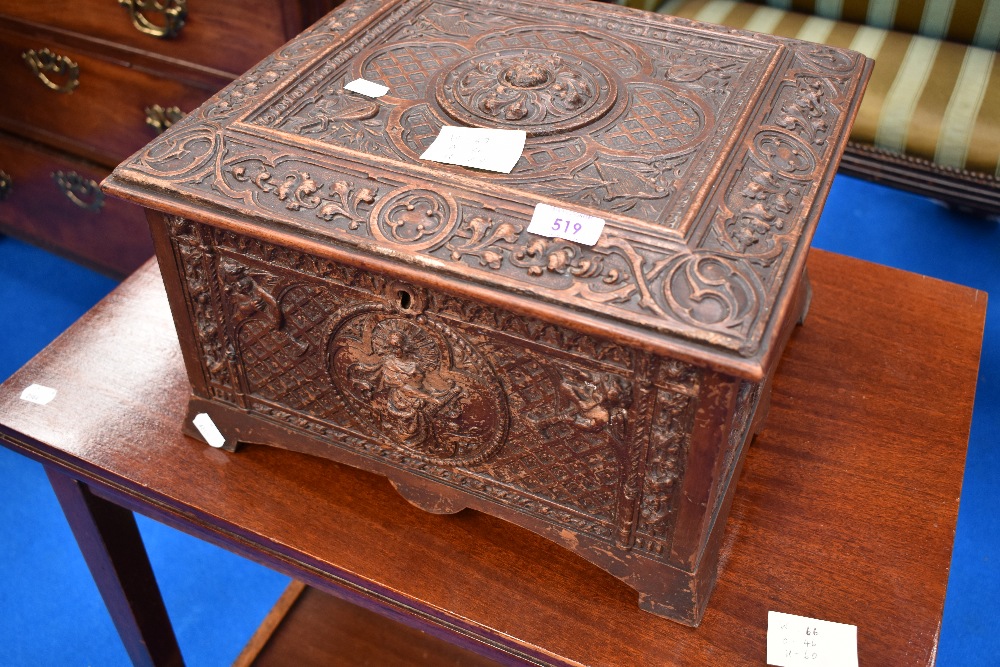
419,384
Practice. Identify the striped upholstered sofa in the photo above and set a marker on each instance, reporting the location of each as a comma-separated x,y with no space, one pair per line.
930,120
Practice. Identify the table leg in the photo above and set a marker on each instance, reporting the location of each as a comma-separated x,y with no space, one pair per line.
112,546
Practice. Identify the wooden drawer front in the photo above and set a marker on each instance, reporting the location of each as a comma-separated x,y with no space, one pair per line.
225,35
102,232
102,118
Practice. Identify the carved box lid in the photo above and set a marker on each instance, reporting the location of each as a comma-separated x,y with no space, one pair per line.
708,152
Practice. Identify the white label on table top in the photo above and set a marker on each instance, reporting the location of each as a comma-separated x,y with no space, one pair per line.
563,224
366,88
39,394
208,430
481,148
799,641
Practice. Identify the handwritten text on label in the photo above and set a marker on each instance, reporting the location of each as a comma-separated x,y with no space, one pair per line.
798,641
481,148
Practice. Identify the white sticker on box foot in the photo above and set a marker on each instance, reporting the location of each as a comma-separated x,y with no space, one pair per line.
213,436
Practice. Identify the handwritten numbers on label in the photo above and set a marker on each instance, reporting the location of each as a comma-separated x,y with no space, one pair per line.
798,641
480,148
563,226
559,223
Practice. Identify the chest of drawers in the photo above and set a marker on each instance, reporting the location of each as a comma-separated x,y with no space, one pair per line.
85,83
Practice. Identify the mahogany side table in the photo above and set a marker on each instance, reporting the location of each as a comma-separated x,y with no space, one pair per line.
845,511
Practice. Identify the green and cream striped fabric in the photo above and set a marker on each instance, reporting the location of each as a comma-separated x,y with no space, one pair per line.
929,98
975,22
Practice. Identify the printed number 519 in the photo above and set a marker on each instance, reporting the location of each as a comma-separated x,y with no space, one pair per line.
560,225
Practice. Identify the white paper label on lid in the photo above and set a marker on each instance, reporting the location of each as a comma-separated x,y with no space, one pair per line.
477,147
366,88
39,394
560,223
799,641
213,436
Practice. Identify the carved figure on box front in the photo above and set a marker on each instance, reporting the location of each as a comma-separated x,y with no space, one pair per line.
419,384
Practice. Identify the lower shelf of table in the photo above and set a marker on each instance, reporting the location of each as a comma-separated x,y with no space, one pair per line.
308,627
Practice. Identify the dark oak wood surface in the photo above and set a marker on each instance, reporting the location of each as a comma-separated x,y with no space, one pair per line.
845,510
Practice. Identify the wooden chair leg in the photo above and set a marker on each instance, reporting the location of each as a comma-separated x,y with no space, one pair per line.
112,547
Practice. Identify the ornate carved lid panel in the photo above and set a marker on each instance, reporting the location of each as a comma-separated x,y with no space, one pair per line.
707,151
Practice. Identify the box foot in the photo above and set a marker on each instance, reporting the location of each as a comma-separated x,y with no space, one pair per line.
434,500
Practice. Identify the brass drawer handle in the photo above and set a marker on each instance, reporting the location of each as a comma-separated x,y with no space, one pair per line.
160,119
84,192
174,12
44,64
6,185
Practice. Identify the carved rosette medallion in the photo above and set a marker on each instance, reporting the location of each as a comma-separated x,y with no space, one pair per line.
419,384
541,92
785,154
416,218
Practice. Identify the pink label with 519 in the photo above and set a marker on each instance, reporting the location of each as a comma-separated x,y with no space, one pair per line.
558,223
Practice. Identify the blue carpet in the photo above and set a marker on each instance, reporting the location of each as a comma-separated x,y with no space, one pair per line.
50,611
53,615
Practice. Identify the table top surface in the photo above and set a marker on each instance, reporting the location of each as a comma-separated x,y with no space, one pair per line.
845,510
708,152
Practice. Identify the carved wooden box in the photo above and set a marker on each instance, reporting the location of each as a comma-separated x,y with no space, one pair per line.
336,295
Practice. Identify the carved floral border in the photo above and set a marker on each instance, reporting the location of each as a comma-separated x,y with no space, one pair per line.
718,289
